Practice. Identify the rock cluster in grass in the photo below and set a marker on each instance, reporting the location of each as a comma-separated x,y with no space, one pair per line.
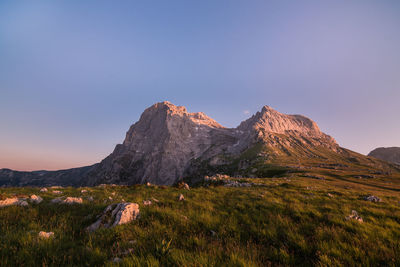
116,214
372,198
227,181
354,216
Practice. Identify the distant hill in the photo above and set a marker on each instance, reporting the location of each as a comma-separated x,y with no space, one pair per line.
390,154
168,144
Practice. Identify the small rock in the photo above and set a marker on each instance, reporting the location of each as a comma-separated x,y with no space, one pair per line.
46,235
44,189
57,192
116,214
90,198
73,200
22,203
148,184
147,202
56,200
36,199
354,216
117,260
330,195
181,197
372,198
83,191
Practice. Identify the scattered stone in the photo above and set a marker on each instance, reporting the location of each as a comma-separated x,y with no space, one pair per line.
56,192
186,186
330,195
73,200
83,191
13,201
22,203
36,199
147,202
110,198
148,184
116,214
44,189
354,216
372,198
117,260
181,197
90,198
113,193
9,202
55,187
46,235
56,200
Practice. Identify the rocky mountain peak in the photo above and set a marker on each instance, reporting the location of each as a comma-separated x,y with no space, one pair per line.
166,141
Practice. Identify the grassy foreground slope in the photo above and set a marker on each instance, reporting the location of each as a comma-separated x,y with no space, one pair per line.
296,220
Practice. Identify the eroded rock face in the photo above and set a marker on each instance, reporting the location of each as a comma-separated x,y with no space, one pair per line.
116,214
390,154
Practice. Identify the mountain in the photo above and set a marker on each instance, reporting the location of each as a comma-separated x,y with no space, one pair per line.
390,154
168,144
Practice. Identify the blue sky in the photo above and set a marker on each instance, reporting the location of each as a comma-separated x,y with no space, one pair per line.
74,75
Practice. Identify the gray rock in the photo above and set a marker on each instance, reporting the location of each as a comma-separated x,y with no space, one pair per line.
354,216
372,198
116,214
36,199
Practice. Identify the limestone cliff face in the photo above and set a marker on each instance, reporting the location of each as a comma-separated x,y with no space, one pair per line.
161,147
390,154
158,148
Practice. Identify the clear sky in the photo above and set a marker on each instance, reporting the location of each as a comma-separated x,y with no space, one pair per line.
74,75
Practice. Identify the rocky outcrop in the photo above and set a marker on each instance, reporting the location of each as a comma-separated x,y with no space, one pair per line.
390,154
116,214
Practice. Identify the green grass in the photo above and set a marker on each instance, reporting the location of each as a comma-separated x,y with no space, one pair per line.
289,221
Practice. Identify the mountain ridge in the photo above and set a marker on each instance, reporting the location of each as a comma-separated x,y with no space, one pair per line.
168,144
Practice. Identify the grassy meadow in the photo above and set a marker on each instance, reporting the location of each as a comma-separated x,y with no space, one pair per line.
294,220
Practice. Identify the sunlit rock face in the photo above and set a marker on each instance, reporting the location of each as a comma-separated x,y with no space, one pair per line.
161,147
390,154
